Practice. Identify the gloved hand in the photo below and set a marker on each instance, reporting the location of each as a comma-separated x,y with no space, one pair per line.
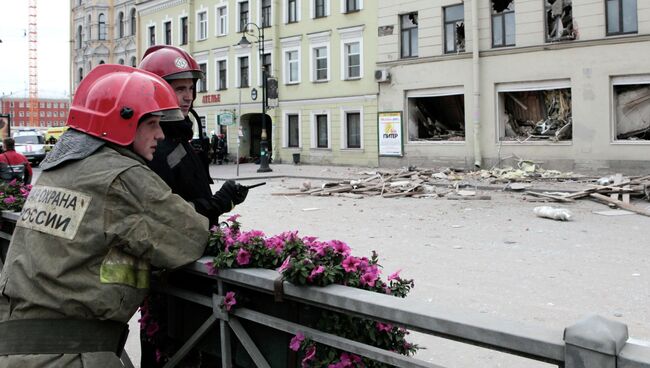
237,192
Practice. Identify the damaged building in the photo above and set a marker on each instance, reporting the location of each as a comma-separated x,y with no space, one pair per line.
536,115
437,118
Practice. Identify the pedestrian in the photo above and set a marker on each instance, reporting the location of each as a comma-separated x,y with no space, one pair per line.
182,169
213,147
13,165
95,221
222,149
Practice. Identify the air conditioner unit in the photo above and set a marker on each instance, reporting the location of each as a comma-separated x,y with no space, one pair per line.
382,75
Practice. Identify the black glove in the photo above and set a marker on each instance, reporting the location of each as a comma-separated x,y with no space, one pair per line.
236,192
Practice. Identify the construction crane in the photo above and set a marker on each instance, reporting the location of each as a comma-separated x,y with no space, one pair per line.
33,65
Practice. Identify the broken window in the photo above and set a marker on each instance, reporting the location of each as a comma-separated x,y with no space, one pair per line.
559,20
632,111
440,118
409,35
454,28
503,23
535,115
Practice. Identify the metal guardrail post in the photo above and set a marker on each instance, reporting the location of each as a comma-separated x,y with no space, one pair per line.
594,342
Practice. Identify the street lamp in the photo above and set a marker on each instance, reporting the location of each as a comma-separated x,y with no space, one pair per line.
264,143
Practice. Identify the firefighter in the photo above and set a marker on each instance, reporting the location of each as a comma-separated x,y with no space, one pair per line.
95,221
175,160
13,165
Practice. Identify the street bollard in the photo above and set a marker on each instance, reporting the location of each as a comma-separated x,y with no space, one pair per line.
594,342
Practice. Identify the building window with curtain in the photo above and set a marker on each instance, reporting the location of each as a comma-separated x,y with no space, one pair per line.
168,33
319,9
202,24
352,60
320,63
222,21
353,129
243,72
293,66
352,6
202,84
222,75
152,35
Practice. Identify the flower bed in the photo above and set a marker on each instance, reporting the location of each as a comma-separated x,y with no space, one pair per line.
308,261
13,195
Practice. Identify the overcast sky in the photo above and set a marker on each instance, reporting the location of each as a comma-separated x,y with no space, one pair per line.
53,47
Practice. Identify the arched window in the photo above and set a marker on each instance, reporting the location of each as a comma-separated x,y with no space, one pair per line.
133,61
120,27
101,26
121,61
79,36
81,74
101,62
133,22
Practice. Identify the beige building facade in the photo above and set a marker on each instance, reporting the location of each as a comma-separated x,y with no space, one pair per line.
320,52
101,32
564,83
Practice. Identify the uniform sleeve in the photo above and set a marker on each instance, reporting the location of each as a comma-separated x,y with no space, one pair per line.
152,223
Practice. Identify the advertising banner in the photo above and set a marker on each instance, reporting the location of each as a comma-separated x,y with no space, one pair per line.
390,133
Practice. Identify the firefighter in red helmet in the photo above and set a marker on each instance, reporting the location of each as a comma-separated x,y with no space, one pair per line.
185,169
95,221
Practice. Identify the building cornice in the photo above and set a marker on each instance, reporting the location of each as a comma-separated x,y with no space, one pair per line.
157,5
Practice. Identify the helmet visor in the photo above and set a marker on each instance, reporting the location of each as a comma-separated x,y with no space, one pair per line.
171,115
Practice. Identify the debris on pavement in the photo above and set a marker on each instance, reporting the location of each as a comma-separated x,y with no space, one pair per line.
554,213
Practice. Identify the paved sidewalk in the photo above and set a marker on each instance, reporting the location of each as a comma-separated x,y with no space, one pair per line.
249,171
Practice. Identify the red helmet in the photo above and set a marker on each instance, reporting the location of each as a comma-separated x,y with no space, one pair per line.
111,100
170,62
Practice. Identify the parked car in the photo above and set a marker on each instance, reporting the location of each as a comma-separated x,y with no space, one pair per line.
31,143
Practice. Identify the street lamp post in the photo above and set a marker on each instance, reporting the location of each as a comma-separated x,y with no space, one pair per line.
264,143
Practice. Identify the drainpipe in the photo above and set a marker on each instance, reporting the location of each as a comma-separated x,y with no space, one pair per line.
476,87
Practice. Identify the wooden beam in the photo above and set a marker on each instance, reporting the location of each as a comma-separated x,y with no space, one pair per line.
620,204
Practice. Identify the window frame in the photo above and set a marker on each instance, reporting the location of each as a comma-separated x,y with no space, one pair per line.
202,26
618,81
345,66
409,31
248,71
102,32
344,6
502,22
240,20
313,70
262,10
345,144
287,65
133,21
151,29
296,14
184,30
219,85
202,83
221,20
314,129
120,25
287,129
620,19
453,22
167,38
269,54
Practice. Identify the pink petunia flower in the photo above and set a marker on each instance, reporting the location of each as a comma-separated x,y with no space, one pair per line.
368,278
10,199
315,272
229,300
310,354
350,264
285,265
211,269
233,218
296,341
387,327
340,247
394,275
243,257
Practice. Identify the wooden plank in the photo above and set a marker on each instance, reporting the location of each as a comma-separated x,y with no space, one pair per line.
468,198
620,204
618,179
551,196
